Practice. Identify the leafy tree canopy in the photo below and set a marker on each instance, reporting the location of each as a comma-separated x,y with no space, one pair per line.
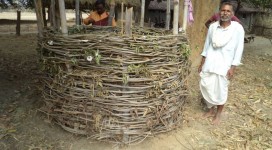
261,3
17,3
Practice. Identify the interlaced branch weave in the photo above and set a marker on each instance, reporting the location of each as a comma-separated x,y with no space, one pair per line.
114,87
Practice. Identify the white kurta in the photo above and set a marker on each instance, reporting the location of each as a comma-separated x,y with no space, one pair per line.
223,48
219,59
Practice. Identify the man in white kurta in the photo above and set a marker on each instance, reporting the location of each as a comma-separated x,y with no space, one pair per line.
221,54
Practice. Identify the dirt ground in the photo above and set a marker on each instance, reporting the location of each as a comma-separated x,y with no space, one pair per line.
246,122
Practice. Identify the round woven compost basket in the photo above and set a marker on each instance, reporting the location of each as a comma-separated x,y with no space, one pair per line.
113,87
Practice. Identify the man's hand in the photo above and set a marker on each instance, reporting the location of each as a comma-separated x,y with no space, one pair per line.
200,68
230,72
91,21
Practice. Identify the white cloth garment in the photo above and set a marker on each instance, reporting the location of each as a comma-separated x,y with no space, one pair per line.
229,49
221,37
214,88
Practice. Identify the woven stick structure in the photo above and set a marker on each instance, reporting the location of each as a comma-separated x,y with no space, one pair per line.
118,88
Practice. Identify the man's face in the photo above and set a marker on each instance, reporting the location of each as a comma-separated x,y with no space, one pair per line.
100,9
226,12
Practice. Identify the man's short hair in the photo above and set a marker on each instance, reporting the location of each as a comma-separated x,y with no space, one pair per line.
97,2
226,3
234,4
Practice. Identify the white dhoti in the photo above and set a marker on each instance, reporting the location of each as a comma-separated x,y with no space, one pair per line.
214,88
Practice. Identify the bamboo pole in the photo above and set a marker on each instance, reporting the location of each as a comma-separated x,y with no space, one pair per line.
39,15
131,16
53,14
168,15
77,12
185,15
18,23
176,17
57,16
64,29
63,22
44,14
111,17
142,13
122,18
128,21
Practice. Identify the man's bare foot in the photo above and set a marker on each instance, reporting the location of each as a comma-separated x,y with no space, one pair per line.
211,113
216,119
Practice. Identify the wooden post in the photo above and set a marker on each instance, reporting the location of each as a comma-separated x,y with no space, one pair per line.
39,15
57,16
128,21
176,17
64,29
131,16
122,18
168,15
111,16
53,14
78,22
63,22
44,14
18,23
185,15
142,13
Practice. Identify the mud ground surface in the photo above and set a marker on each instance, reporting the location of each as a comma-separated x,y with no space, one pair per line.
246,122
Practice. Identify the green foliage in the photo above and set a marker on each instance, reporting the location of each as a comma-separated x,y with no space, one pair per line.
17,3
137,69
95,54
125,78
97,57
185,50
260,3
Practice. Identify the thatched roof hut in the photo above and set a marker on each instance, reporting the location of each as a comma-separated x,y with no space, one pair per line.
88,3
159,5
248,8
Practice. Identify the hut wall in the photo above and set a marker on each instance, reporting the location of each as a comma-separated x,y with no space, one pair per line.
156,16
263,25
247,20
